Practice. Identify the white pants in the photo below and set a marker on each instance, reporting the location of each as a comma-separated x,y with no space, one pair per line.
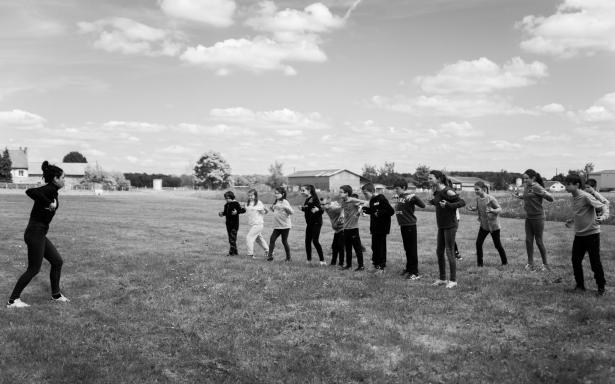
254,234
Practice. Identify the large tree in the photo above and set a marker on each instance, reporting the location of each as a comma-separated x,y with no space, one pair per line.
276,177
74,157
370,172
5,167
212,171
421,176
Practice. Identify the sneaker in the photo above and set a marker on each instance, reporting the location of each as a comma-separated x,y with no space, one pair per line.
346,267
379,272
322,263
438,283
252,256
61,299
451,284
17,303
266,254
358,269
601,292
270,258
529,267
544,268
404,272
414,277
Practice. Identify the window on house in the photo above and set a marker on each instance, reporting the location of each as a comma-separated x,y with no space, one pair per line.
20,172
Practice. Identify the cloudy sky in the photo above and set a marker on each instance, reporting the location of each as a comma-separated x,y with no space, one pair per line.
150,85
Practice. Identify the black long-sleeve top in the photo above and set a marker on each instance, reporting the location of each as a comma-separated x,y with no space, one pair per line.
380,212
312,217
446,217
43,197
228,212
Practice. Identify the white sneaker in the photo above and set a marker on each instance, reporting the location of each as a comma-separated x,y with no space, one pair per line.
323,263
451,284
17,304
61,299
414,277
529,267
437,283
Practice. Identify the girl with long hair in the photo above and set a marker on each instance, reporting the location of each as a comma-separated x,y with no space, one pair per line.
313,219
534,193
39,247
255,211
281,222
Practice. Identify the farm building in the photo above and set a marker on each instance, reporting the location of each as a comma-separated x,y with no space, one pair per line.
605,179
555,186
73,173
464,183
19,164
326,179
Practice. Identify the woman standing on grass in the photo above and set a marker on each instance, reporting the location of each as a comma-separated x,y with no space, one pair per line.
446,202
281,222
255,211
313,218
488,211
533,194
39,247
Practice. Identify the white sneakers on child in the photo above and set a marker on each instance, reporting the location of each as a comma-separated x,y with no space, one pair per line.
61,299
451,284
17,304
448,284
323,263
438,282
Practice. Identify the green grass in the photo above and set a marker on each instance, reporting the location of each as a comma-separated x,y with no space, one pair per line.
154,300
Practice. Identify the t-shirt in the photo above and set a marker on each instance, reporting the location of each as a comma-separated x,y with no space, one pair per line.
281,214
446,216
404,209
489,221
584,207
335,215
532,199
255,213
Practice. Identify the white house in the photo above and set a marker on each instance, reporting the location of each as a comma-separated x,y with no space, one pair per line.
19,164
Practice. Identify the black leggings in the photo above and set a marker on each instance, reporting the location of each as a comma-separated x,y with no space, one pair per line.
446,244
495,235
312,233
337,248
274,236
39,247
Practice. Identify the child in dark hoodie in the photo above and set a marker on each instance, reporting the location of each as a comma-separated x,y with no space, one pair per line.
231,211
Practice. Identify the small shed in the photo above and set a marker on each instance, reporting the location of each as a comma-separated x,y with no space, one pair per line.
327,179
605,180
466,183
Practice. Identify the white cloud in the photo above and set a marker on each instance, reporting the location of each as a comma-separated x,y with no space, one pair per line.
258,54
464,106
21,120
483,76
132,126
281,118
176,149
118,34
218,13
505,145
464,129
602,111
578,26
553,108
291,25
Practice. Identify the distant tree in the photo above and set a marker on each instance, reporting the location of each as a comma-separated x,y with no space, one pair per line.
588,168
370,172
559,177
421,176
5,167
74,157
187,180
276,176
241,180
212,171
502,180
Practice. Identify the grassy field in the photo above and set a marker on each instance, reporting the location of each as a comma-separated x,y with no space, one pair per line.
154,300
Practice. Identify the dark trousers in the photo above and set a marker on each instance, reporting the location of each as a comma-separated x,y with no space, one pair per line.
312,233
337,248
534,229
408,236
274,236
480,239
39,247
446,243
231,230
379,250
591,245
353,240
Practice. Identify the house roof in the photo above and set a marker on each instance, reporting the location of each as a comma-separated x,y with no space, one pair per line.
605,171
466,180
320,173
19,158
70,169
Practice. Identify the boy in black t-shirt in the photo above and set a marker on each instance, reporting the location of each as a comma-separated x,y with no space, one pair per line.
231,211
